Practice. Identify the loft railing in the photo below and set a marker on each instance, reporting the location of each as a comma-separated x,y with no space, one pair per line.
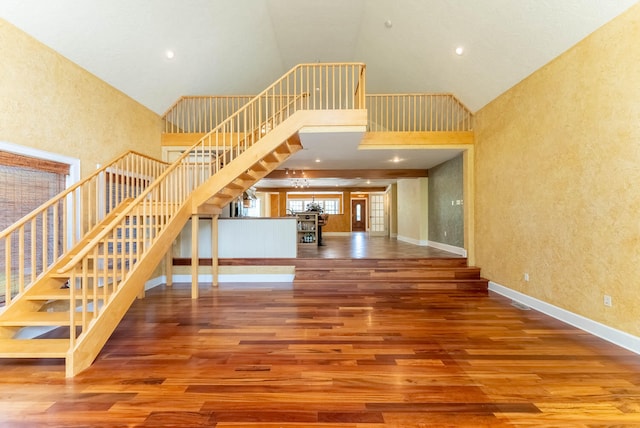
417,113
33,244
105,262
201,114
386,113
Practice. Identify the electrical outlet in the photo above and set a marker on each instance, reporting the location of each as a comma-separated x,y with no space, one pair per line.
607,300
526,276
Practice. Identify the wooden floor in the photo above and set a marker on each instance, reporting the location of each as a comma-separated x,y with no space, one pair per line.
340,354
362,245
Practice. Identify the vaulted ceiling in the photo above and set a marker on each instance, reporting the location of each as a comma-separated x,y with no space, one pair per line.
241,46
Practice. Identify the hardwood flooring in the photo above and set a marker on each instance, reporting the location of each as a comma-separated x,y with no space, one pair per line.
362,245
360,354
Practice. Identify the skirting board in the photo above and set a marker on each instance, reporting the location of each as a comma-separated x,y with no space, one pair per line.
336,233
450,248
412,241
223,278
617,337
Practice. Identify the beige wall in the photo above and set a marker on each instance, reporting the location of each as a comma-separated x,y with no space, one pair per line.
557,173
49,103
413,210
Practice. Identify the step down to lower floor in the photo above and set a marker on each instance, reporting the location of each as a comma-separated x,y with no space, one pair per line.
393,274
34,348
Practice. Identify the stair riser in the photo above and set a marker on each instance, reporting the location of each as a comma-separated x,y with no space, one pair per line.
339,263
391,275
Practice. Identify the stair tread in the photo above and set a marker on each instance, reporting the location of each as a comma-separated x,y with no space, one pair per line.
34,348
56,294
32,319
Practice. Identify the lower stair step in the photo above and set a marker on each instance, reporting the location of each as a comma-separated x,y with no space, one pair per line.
42,319
61,294
34,348
390,274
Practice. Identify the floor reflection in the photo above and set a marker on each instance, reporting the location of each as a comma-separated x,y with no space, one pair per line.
359,245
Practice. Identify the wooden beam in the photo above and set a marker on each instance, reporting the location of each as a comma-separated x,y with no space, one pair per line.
214,250
413,140
168,263
194,255
322,189
385,174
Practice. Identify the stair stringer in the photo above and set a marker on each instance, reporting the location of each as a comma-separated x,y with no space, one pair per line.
48,279
91,342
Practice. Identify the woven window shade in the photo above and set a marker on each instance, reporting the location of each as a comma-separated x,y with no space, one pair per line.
25,184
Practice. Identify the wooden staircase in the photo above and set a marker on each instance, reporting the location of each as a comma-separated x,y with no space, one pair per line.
90,286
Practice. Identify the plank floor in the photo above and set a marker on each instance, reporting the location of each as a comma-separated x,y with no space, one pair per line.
343,354
362,245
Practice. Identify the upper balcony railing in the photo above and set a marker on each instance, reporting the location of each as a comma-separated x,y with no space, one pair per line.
201,114
417,113
386,112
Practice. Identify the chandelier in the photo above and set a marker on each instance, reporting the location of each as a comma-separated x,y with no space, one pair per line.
298,181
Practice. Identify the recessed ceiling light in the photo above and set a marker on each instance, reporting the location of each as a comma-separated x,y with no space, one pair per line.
317,160
396,159
170,54
459,50
388,23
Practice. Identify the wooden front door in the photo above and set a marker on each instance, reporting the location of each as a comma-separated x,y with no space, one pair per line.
358,215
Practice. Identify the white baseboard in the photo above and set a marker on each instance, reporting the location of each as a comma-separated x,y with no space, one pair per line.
154,282
617,337
412,241
281,277
450,248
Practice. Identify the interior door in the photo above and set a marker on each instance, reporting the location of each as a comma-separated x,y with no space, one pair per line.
377,214
358,215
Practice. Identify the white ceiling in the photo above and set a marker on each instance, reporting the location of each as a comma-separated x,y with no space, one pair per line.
241,46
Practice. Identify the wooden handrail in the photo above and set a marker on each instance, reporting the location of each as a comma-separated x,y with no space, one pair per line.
417,113
201,114
43,236
409,112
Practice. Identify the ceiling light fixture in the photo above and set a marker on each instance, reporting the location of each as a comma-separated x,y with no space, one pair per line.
170,54
459,50
388,23
297,180
317,160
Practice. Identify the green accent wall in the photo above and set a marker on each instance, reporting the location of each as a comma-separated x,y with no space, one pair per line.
446,214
